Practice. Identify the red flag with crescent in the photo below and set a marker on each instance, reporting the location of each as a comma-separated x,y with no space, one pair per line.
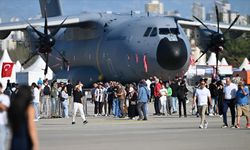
7,69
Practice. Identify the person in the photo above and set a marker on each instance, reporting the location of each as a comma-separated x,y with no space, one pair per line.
46,104
64,101
181,94
132,97
99,99
163,99
4,105
36,94
143,97
77,94
121,94
174,86
220,98
202,95
70,91
229,91
242,101
157,96
213,110
21,114
169,99
54,99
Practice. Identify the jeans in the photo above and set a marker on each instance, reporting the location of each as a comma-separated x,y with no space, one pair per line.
53,106
37,112
65,112
3,135
183,101
174,103
142,110
231,105
116,107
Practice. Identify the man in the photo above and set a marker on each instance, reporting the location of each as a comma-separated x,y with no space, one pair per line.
70,91
242,97
214,95
174,86
202,94
229,101
4,105
157,96
46,104
143,97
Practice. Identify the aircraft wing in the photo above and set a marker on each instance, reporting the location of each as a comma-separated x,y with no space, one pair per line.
6,28
193,24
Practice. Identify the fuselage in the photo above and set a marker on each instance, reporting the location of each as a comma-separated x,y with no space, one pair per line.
125,48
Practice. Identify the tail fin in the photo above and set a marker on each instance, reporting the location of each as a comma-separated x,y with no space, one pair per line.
53,7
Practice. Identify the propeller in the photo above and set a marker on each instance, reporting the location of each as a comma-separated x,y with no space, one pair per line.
46,40
217,39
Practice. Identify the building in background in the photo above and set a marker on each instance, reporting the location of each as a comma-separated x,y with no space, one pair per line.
154,6
198,10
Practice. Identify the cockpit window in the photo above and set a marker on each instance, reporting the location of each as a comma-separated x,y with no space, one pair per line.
165,31
147,31
154,32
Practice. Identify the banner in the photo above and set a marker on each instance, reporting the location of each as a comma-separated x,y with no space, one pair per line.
7,69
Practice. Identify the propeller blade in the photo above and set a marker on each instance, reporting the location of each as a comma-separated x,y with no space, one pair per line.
64,60
201,22
45,21
218,18
235,20
46,61
27,60
58,28
40,34
203,53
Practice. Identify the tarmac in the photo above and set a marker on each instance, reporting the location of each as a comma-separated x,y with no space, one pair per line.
159,132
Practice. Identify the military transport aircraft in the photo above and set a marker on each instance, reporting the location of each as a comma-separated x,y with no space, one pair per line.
99,46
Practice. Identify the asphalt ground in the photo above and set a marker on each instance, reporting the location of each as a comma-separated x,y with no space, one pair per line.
159,132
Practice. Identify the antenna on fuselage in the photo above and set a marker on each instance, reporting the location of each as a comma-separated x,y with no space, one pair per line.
131,13
148,13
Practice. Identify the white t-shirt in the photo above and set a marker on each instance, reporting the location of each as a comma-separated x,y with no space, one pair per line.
36,93
202,95
5,100
230,91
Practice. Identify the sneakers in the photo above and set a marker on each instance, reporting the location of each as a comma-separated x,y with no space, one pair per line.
85,122
73,122
224,126
248,126
205,124
232,126
201,126
211,114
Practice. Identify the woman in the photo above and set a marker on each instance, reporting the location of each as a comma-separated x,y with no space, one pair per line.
64,101
163,99
132,97
21,114
77,93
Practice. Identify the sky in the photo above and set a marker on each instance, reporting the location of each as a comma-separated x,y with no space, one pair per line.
30,8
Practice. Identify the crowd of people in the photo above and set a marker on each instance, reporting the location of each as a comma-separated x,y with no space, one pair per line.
112,98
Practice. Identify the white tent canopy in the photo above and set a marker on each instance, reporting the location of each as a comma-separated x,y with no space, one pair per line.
224,62
18,66
245,65
39,66
212,60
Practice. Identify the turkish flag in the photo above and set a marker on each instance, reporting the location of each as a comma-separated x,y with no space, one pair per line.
7,69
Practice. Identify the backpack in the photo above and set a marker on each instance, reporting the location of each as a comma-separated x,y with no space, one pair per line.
46,90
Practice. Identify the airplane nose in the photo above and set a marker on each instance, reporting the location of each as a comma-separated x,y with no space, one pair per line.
172,55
